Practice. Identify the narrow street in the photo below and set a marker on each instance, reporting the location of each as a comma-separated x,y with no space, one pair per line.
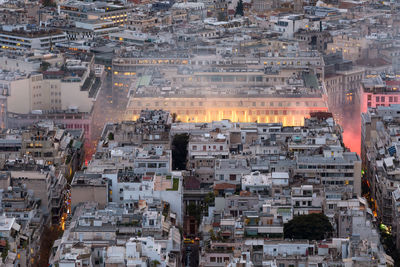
103,112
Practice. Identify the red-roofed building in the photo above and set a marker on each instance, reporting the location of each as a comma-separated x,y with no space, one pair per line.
221,189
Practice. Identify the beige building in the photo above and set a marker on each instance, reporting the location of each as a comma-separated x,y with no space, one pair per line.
26,93
352,47
343,91
38,182
89,188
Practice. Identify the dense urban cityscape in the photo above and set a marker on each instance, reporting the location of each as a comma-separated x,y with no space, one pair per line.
212,133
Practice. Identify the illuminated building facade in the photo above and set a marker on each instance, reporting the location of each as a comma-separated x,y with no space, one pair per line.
81,11
288,110
276,88
24,40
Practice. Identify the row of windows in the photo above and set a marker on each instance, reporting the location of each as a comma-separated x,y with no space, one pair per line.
206,62
383,99
337,182
237,113
226,104
338,167
77,126
214,147
152,165
17,215
219,259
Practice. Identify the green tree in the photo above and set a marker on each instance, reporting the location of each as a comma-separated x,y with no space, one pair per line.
179,151
49,3
4,253
195,211
239,8
155,263
311,227
209,199
212,235
44,65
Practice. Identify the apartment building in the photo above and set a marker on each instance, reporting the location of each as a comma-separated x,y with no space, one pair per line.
80,11
52,90
379,91
306,199
342,81
353,47
26,39
231,170
89,188
378,151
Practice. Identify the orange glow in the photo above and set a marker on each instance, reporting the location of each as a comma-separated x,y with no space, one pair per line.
288,117
352,131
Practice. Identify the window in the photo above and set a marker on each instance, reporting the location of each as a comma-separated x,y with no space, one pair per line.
232,177
382,99
377,99
194,147
152,165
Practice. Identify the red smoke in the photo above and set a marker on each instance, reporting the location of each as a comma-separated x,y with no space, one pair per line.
352,130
